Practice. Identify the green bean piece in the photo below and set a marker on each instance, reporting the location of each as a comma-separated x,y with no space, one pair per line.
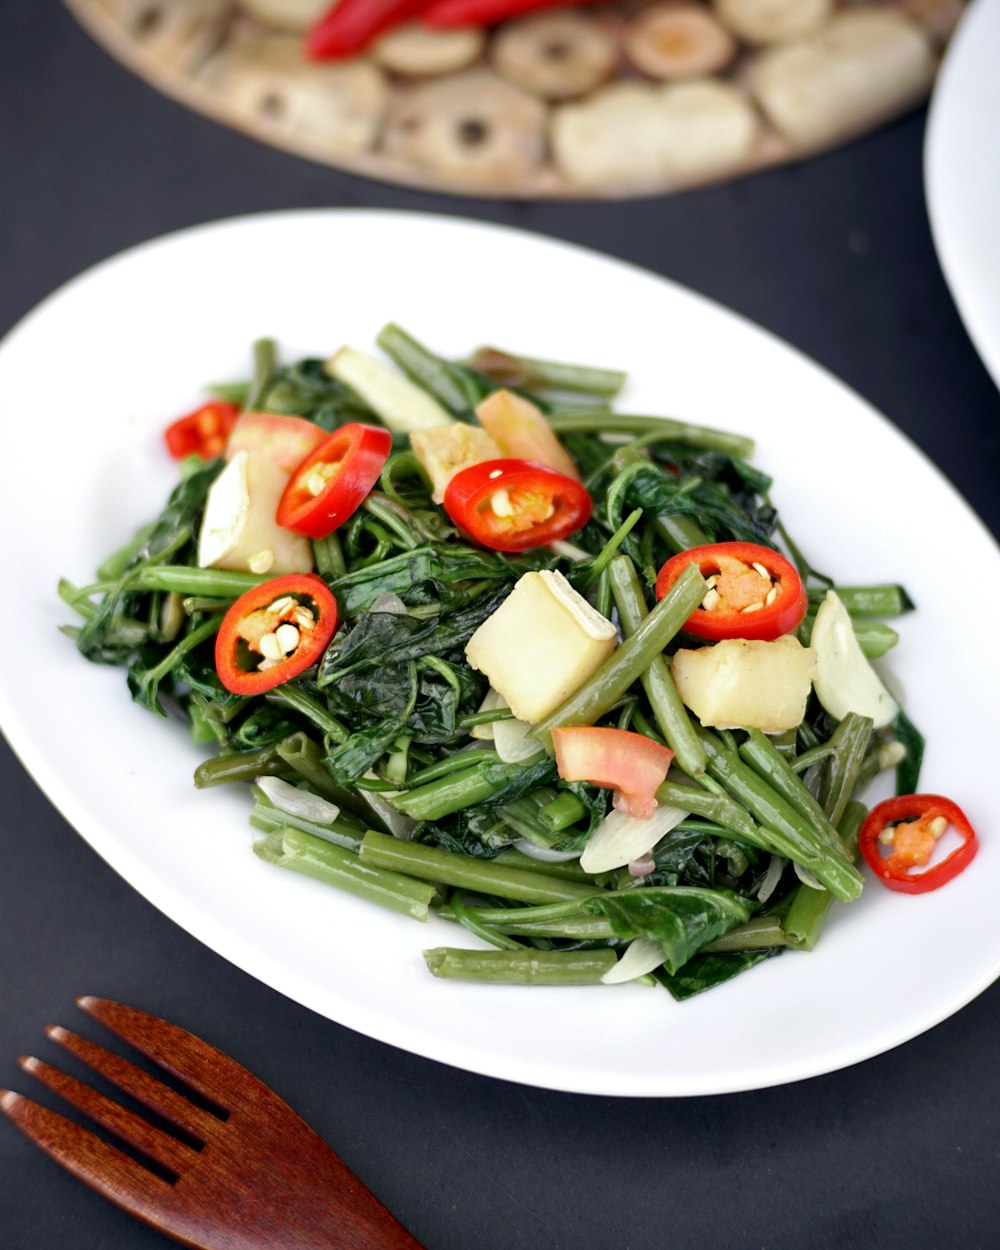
342,832
758,933
530,373
626,664
318,858
328,556
670,713
187,580
604,421
874,637
849,744
422,366
265,360
562,812
199,634
115,565
441,797
680,532
764,758
242,766
790,833
523,967
511,857
885,600
809,907
303,757
291,695
720,808
431,863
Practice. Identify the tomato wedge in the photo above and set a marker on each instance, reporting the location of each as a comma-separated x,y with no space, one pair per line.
754,592
285,439
333,481
909,826
514,505
631,764
274,632
203,432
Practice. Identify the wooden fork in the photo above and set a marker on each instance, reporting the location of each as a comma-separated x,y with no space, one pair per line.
249,1174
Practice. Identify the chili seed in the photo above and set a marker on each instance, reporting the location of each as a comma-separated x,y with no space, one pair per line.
270,647
287,637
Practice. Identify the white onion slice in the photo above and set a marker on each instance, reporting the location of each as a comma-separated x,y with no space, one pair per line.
620,839
295,802
771,878
641,956
806,877
398,823
509,737
545,854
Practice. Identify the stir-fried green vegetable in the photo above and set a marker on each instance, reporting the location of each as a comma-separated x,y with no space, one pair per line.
381,768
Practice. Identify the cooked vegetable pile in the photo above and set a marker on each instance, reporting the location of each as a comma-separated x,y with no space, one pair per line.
484,647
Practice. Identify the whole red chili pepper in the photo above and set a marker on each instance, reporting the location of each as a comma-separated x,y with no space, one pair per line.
904,825
350,25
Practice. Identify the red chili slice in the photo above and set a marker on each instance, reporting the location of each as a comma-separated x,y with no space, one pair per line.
203,432
743,602
514,505
904,823
274,632
333,481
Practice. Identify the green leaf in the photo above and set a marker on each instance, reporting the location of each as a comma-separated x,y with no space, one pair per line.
705,972
683,918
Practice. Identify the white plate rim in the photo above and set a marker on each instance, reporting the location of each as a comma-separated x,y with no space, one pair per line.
572,1073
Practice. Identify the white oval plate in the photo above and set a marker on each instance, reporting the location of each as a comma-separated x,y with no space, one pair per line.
107,361
962,175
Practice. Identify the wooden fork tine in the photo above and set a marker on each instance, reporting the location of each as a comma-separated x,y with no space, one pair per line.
144,1088
208,1071
155,1144
109,1171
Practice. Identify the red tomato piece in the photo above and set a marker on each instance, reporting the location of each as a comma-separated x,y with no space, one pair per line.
754,591
631,764
514,505
203,432
334,480
286,440
274,632
909,826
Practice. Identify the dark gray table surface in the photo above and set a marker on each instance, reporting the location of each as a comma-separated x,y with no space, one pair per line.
835,256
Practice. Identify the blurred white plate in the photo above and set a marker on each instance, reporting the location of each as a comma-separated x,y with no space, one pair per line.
104,363
962,175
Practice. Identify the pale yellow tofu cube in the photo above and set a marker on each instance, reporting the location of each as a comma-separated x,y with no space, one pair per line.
746,684
541,644
239,531
445,450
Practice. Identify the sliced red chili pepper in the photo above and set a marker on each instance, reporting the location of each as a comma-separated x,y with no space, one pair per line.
754,591
631,764
351,25
274,632
333,481
203,432
514,505
909,826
